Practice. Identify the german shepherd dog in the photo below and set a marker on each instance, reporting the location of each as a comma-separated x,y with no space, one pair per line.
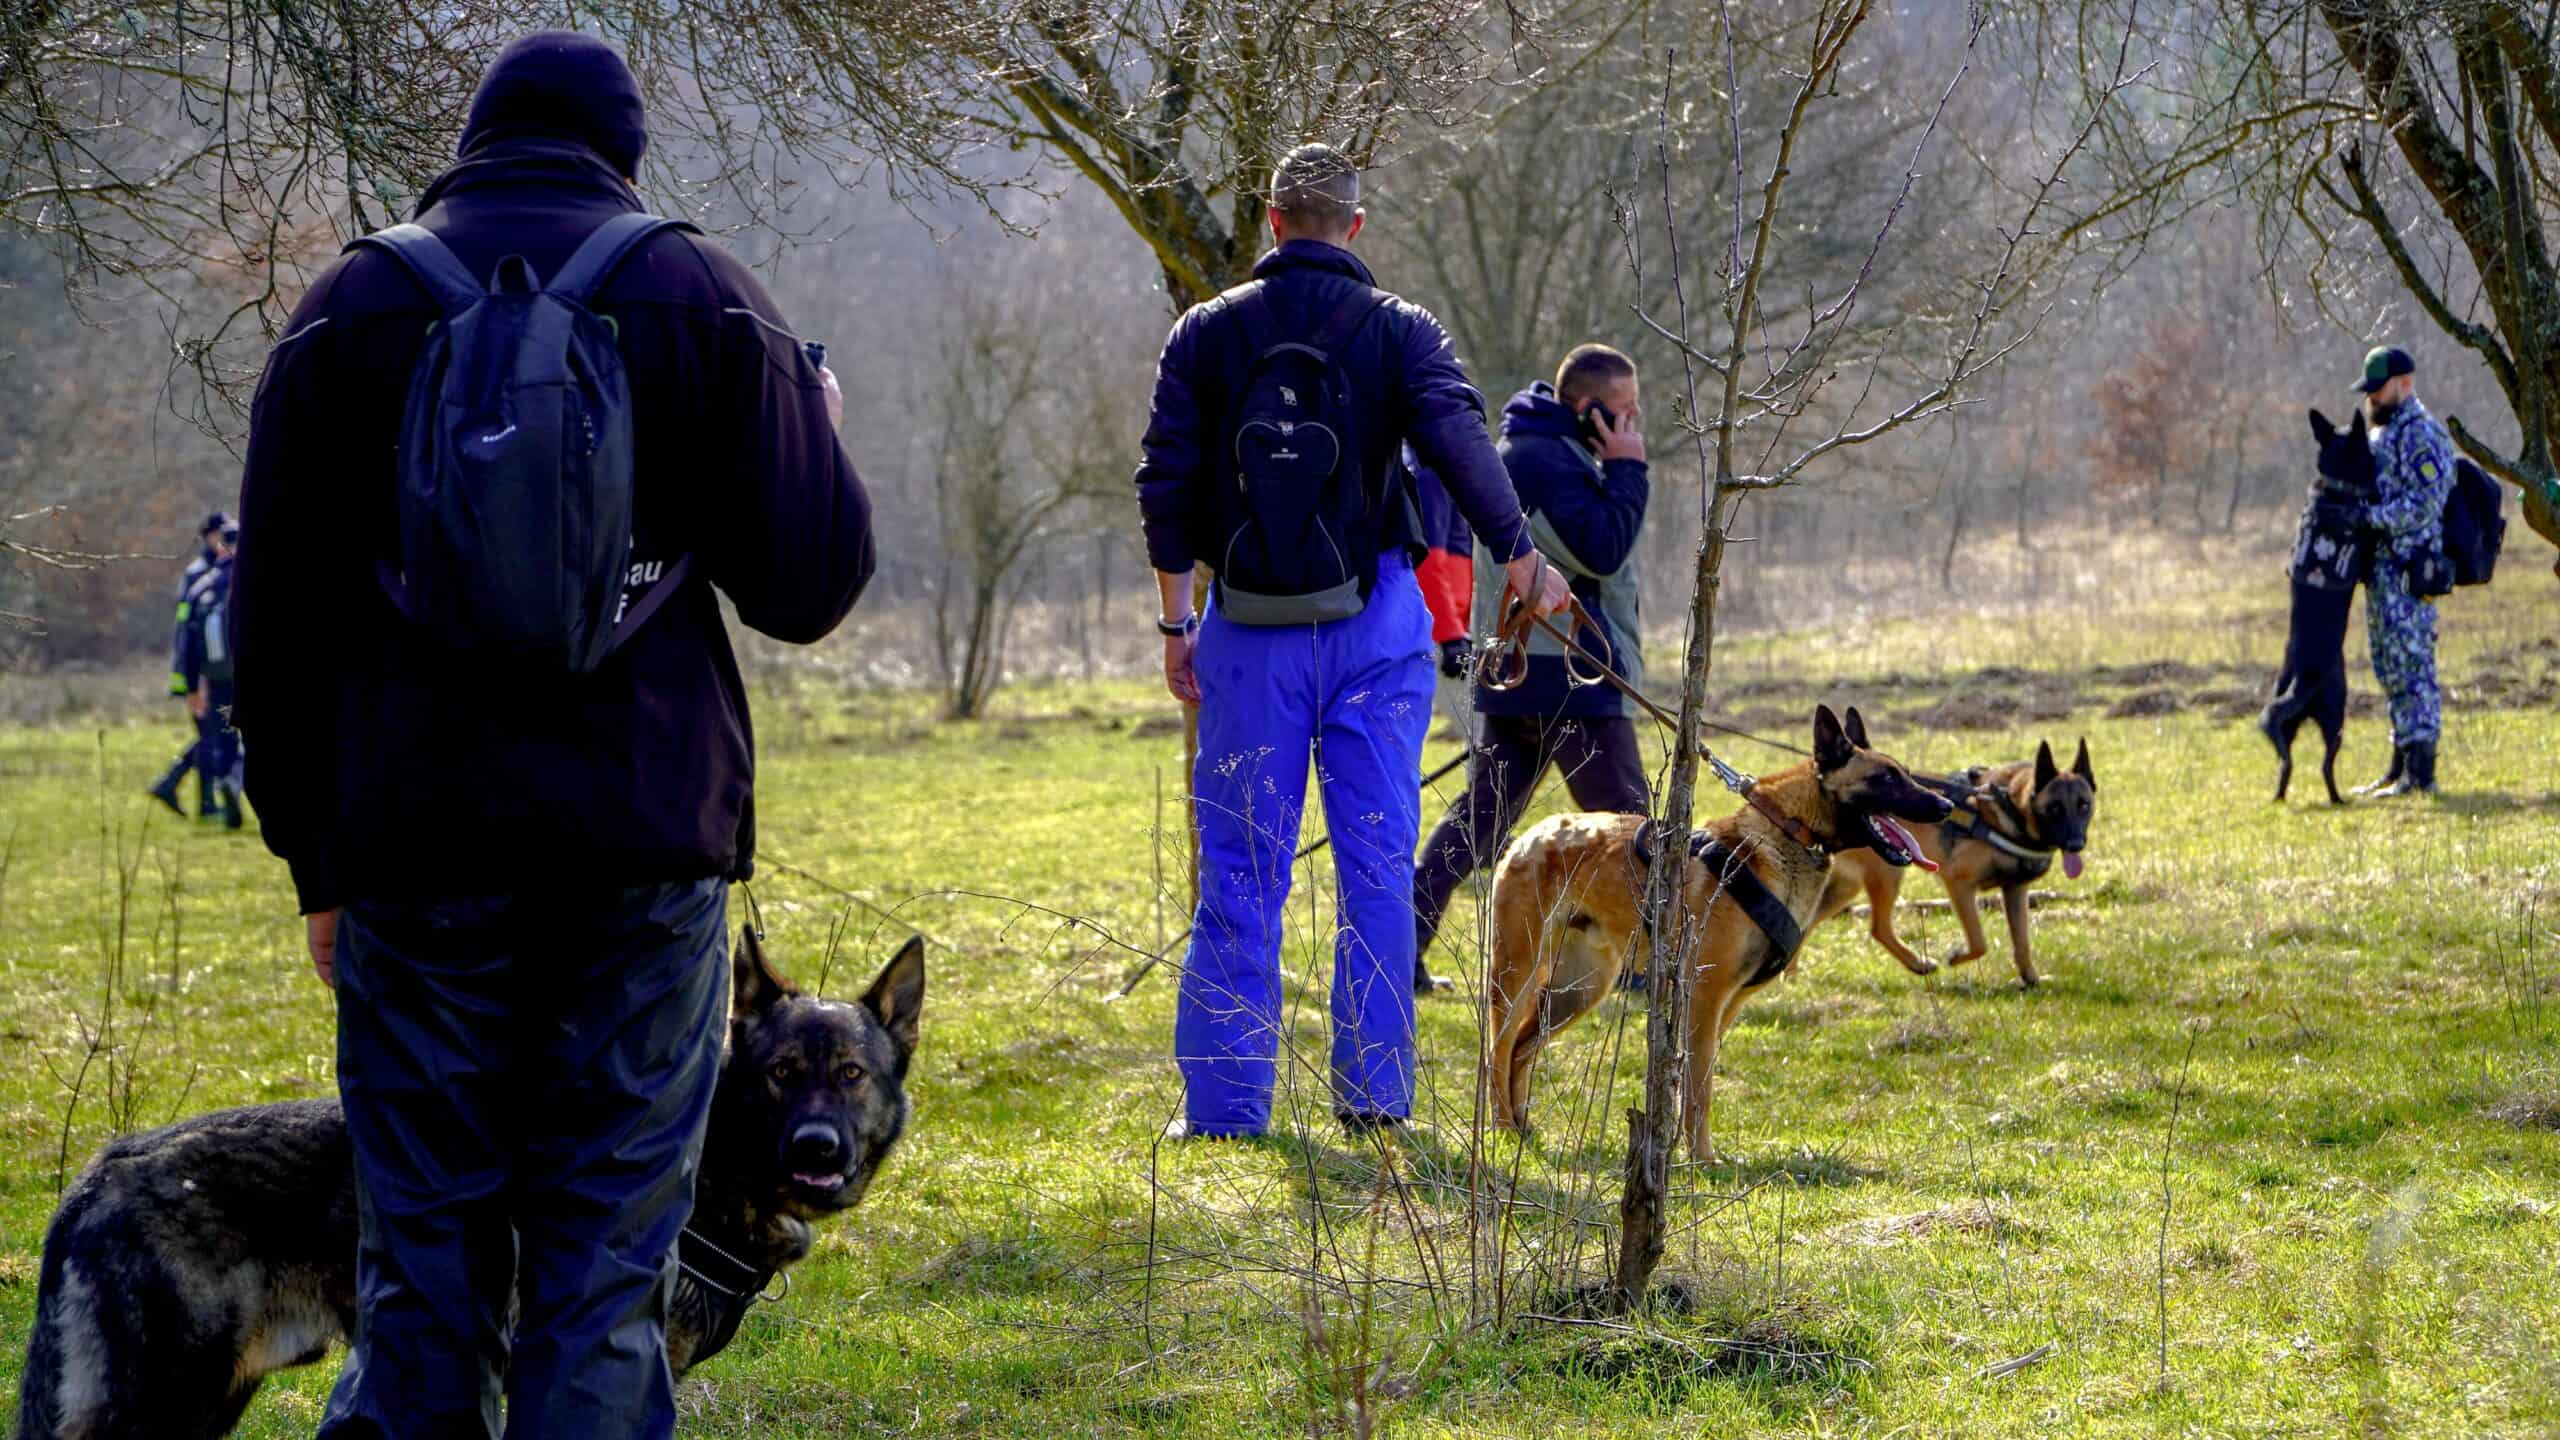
2008,824
188,1263
2332,554
1568,905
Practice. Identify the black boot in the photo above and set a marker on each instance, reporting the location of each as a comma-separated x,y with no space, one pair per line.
208,797
232,816
2418,777
2391,777
165,790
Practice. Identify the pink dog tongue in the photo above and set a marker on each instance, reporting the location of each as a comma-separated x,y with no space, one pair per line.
1904,841
2071,864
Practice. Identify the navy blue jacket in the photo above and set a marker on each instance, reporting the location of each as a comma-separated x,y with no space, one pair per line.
1585,516
182,681
383,768
1404,374
208,591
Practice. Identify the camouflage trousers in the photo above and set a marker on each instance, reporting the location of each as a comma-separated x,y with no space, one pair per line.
2401,629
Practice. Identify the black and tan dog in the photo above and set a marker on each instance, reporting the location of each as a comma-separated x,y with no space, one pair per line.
1568,905
2008,825
2332,555
188,1263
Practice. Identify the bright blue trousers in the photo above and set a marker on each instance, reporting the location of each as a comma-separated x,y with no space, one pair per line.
1354,697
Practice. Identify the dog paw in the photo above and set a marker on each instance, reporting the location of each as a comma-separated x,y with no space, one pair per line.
1918,966
1963,957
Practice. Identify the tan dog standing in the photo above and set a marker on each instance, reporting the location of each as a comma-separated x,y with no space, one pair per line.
2009,823
1568,905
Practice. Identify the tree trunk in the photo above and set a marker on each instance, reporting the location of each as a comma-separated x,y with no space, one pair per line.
1653,1131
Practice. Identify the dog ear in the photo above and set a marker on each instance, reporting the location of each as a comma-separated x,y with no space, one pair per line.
1858,729
1831,748
896,999
2322,432
754,985
2080,766
2046,771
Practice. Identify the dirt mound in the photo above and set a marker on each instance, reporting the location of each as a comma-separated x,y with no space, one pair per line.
2227,703
2151,674
2141,704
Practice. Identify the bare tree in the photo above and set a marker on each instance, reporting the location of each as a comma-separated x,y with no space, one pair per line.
1785,388
2417,138
1028,432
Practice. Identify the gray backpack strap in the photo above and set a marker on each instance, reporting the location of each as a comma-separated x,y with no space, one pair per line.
437,269
601,252
659,594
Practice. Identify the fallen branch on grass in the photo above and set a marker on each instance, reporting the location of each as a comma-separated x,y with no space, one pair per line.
2036,900
2007,1368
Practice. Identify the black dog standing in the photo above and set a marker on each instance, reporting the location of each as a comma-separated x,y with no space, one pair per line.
2332,554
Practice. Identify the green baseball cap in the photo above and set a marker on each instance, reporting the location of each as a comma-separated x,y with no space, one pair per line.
2383,362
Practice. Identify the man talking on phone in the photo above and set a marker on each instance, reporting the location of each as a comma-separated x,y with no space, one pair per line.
1575,451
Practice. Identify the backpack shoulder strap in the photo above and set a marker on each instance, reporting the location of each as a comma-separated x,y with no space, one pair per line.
427,259
598,255
1251,303
1348,316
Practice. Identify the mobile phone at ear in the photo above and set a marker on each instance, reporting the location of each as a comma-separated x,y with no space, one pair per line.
1592,418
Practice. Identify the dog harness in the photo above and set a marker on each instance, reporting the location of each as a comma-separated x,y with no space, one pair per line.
729,1285
1743,885
1971,820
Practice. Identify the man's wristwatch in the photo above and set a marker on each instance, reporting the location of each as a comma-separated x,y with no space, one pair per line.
1173,629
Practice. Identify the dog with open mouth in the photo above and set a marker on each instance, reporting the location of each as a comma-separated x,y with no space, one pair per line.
188,1263
1568,910
2008,826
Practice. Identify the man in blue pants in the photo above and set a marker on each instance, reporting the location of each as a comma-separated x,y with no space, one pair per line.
1272,452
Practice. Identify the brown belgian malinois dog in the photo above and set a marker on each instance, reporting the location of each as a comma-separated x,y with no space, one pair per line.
1568,905
2009,823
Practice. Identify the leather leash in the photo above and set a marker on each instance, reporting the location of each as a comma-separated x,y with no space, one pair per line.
1510,647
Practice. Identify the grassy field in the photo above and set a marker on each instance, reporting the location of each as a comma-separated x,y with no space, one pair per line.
2284,1119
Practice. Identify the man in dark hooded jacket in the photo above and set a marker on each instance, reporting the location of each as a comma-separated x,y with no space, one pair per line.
1576,455
518,882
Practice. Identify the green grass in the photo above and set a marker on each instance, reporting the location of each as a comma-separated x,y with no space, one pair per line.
1923,1179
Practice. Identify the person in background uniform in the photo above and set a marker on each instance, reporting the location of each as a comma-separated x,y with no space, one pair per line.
183,684
1353,693
1447,575
518,883
205,664
1575,452
2413,474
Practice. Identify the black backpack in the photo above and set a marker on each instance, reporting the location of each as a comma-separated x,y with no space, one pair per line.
516,459
2475,524
1301,526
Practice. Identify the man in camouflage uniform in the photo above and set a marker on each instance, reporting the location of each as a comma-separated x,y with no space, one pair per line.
2413,465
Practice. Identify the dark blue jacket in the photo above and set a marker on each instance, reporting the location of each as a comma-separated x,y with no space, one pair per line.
1404,373
1585,516
383,768
208,591
182,681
